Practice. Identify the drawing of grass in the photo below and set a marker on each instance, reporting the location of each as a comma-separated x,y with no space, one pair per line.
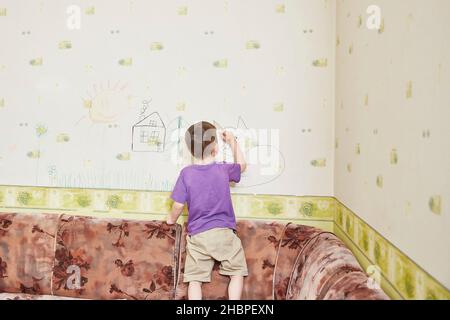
127,179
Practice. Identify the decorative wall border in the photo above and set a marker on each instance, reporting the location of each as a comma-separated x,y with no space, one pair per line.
401,278
130,204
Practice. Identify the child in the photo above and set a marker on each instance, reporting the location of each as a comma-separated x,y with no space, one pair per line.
205,186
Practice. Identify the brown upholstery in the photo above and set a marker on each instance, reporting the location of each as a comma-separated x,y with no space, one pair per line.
27,246
121,259
117,258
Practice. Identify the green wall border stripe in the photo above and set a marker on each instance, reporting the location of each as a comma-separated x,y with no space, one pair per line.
361,252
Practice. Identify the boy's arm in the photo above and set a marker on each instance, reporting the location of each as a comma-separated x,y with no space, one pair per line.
177,209
238,155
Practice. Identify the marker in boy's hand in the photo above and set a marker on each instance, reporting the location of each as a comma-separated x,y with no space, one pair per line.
228,137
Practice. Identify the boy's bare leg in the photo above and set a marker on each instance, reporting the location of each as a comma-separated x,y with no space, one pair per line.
235,287
195,290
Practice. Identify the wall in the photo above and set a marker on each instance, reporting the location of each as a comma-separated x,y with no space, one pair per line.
70,98
392,133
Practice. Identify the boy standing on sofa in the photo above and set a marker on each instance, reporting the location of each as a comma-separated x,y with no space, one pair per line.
211,226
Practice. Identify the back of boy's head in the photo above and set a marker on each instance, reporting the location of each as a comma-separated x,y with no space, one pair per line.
201,139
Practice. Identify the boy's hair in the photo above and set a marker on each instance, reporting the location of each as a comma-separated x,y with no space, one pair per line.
200,139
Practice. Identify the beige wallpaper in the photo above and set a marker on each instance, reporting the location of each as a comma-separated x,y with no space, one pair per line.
392,124
84,84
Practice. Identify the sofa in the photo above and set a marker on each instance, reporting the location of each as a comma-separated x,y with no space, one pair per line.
51,256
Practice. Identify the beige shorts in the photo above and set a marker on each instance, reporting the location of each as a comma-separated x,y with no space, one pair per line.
221,244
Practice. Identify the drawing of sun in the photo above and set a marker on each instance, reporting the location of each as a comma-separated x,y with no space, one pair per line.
107,102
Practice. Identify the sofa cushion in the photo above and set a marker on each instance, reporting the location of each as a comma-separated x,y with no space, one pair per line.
115,259
260,241
27,243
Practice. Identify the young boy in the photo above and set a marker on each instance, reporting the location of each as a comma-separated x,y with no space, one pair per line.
205,187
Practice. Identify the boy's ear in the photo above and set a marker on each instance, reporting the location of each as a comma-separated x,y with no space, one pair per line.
216,149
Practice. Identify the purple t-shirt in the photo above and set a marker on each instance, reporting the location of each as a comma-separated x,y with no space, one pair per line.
206,189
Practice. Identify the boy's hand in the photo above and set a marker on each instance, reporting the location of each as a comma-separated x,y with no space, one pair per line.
172,217
169,221
228,137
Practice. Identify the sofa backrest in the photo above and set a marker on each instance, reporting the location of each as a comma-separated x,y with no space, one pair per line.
116,258
84,257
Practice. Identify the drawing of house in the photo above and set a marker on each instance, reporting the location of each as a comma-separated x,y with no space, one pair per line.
149,134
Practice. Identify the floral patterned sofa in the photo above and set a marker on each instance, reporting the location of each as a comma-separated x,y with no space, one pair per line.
49,256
